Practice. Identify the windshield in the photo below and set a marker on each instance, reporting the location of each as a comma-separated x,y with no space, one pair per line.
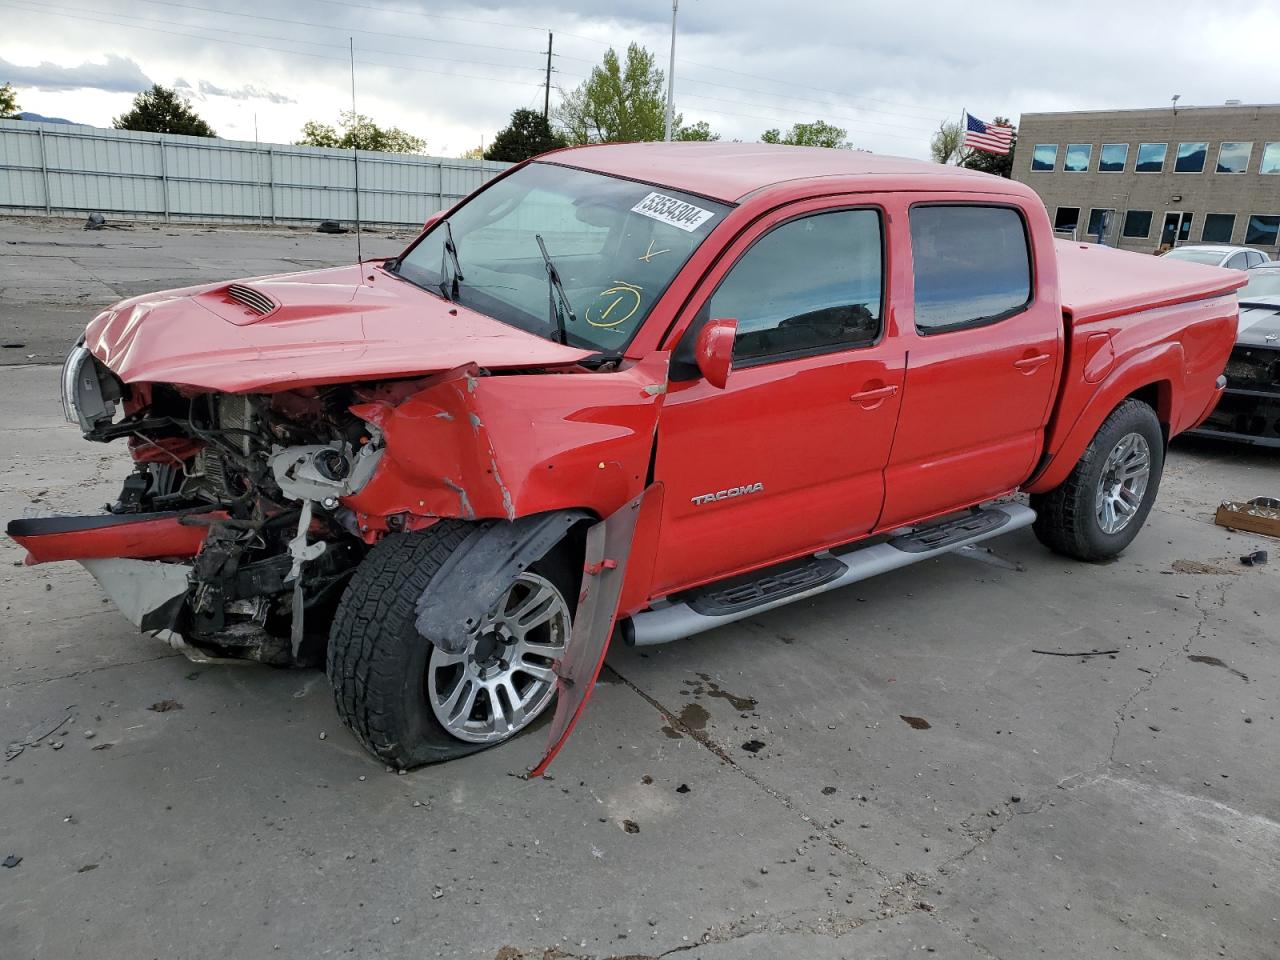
1262,283
1211,257
615,245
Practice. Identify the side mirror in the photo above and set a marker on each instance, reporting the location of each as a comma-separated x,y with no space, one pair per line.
432,220
713,351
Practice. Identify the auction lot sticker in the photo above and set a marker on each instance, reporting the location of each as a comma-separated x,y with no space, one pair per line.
672,211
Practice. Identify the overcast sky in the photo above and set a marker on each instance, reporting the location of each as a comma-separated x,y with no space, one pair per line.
452,73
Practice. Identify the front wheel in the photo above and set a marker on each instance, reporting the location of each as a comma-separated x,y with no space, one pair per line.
1097,511
411,703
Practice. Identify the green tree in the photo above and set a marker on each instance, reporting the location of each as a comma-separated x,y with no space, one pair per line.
696,131
816,134
999,164
527,135
161,110
361,133
618,102
946,146
8,100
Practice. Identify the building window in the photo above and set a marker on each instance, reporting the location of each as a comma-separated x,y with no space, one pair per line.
1270,158
1098,221
1151,157
1218,227
1191,157
1067,219
1113,157
1078,155
1262,230
1044,156
1137,224
1234,157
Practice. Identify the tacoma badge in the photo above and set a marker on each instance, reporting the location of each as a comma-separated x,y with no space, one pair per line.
741,491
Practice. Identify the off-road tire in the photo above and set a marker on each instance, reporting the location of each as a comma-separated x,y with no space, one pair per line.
376,658
1066,518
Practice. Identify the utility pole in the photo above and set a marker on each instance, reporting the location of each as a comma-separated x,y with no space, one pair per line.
671,70
355,155
546,92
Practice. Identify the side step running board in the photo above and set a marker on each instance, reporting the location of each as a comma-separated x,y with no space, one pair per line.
715,607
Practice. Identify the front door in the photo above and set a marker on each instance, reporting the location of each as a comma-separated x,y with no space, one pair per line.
984,353
789,457
1177,228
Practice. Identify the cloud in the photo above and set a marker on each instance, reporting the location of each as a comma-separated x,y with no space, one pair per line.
116,75
247,92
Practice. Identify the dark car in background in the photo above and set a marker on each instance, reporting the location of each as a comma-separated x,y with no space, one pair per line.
1250,408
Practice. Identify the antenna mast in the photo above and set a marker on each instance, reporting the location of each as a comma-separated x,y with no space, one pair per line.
355,156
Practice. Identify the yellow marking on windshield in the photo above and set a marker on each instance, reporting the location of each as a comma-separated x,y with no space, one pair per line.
651,253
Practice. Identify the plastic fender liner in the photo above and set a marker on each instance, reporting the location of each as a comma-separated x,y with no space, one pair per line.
603,573
478,573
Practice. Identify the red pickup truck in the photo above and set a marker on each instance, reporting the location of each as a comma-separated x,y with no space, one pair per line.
629,390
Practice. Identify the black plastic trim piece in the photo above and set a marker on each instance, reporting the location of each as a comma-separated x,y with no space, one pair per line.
766,586
935,536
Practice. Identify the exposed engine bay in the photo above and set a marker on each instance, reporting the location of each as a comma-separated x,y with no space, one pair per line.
264,474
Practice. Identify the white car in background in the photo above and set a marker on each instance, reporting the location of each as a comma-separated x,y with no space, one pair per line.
1219,255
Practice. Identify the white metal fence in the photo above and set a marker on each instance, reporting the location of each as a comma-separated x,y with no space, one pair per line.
54,169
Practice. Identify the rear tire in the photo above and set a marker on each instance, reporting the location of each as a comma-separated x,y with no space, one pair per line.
1098,510
381,668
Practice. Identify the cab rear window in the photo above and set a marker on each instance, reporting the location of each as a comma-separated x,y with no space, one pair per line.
972,266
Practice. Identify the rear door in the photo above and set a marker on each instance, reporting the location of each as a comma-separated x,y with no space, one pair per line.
789,457
984,340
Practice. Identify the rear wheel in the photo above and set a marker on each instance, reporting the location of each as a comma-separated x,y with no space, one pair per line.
411,703
1097,511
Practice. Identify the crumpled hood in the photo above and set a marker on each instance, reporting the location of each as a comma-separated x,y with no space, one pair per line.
324,326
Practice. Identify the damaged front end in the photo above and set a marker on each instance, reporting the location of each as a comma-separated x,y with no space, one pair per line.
230,533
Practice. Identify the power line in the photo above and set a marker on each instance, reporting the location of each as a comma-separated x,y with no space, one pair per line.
345,30
43,9
309,43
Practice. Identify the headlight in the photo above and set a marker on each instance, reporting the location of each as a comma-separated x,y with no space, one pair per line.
84,401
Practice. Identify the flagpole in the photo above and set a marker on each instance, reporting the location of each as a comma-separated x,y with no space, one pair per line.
964,114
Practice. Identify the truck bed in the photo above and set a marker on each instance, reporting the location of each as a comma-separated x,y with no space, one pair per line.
1098,283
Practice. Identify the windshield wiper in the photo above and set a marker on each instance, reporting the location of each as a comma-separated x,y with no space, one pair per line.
451,250
556,289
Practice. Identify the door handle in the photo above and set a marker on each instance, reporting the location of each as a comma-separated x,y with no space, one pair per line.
1030,364
874,394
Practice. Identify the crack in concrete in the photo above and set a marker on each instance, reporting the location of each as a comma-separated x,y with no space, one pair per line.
82,673
1197,633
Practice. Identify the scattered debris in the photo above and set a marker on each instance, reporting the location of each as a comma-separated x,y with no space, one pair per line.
90,734
103,746
11,861
437,893
1215,662
164,706
630,826
753,746
12,346
828,791
916,723
37,733
1259,515
330,226
1255,559
323,735
87,867
683,788
1196,566
646,779
1085,653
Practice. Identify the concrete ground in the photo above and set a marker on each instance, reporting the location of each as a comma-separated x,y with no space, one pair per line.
920,781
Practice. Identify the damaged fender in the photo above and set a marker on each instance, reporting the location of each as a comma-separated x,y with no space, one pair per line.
604,572
479,572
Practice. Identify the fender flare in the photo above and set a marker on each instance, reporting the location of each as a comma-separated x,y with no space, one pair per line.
1160,364
476,575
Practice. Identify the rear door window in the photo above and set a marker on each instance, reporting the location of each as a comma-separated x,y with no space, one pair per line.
972,266
811,285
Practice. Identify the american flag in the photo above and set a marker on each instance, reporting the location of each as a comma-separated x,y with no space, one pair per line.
987,136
